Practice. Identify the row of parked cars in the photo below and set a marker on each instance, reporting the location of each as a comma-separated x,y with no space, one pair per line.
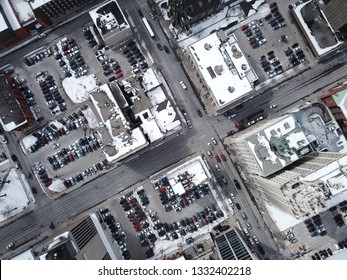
254,34
37,57
81,147
90,36
275,19
117,233
271,64
315,226
295,54
55,101
42,174
134,56
191,224
73,180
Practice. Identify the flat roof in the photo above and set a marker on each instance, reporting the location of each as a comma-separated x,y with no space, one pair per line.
23,10
320,32
108,18
38,3
10,15
276,145
224,67
335,11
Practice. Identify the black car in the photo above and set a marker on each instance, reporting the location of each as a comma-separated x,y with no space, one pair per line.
199,113
238,206
237,184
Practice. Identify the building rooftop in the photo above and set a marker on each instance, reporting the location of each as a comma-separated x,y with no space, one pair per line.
277,144
335,12
108,18
224,68
116,132
316,26
11,115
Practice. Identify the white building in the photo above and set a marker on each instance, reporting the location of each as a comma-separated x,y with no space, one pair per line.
223,69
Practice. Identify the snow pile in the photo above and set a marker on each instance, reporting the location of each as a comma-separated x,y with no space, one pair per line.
28,141
91,118
57,186
78,88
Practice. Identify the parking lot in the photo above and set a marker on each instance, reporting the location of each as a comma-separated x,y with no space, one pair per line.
272,46
66,145
153,217
327,228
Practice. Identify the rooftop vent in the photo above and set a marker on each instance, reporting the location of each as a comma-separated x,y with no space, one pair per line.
231,89
218,69
207,46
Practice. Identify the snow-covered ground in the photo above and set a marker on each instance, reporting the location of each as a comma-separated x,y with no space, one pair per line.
78,88
13,198
57,186
28,141
91,118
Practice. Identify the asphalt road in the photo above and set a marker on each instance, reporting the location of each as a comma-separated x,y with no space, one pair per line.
62,210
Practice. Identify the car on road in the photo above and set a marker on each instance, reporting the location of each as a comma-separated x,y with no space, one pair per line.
223,157
51,225
217,167
166,49
199,113
159,46
237,184
273,106
214,141
238,206
217,158
208,152
210,146
183,85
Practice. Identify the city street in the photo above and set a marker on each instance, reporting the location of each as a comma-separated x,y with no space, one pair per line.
33,226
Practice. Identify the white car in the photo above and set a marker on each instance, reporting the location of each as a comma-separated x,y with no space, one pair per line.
56,145
262,42
255,239
255,26
232,195
273,106
183,85
214,141
95,77
272,75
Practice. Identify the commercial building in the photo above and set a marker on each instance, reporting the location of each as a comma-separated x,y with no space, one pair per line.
319,23
15,114
224,70
285,160
187,12
334,99
270,146
309,186
231,246
111,23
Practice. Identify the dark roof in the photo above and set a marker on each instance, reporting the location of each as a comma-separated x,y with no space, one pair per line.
193,8
335,11
10,110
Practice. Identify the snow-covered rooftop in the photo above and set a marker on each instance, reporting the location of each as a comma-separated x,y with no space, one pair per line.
123,140
14,198
150,80
166,117
3,25
23,10
193,171
285,136
10,15
150,126
223,67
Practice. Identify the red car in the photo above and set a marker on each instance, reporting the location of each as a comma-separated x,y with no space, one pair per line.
195,218
217,158
244,27
252,41
119,75
223,157
131,215
149,255
132,201
117,71
185,201
162,190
